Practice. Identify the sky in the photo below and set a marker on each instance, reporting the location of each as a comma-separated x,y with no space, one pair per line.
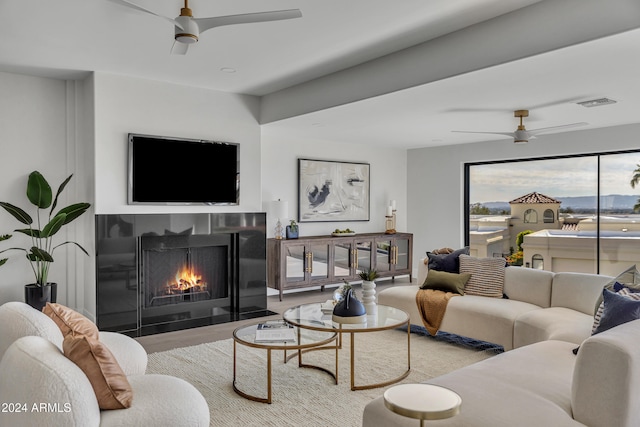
567,177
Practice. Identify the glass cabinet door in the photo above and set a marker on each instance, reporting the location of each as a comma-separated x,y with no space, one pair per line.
295,263
317,261
400,255
343,257
363,255
384,255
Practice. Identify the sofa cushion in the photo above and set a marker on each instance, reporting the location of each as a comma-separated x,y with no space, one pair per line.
70,321
528,285
448,282
577,291
446,262
487,276
109,383
619,308
487,319
553,323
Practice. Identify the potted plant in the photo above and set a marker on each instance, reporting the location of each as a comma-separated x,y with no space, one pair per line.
369,289
292,230
40,252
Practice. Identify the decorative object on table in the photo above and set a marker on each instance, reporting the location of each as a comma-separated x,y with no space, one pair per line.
332,191
343,233
275,331
280,210
349,309
390,218
369,290
40,251
292,230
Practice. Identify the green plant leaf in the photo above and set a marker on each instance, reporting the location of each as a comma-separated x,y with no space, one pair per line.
17,213
38,190
62,186
38,254
54,226
5,237
2,261
74,243
31,232
74,211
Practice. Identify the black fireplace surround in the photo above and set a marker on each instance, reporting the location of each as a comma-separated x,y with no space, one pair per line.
165,272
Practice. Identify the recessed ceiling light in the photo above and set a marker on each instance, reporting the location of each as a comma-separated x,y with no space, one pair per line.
228,70
596,102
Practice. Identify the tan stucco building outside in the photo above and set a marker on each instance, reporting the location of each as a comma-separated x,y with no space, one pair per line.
557,243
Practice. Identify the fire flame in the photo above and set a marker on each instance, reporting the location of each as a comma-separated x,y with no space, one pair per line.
186,279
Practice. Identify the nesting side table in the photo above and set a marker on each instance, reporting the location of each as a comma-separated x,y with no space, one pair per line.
422,401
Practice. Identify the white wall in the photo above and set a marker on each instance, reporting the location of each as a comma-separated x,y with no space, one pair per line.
435,177
124,105
33,136
280,179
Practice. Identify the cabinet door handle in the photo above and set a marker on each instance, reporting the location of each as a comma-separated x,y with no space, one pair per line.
309,267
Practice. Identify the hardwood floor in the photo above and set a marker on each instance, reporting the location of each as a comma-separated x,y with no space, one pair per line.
188,337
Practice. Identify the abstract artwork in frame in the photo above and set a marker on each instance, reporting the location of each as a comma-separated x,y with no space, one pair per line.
332,191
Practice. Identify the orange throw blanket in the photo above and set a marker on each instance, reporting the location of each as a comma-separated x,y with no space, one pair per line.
432,304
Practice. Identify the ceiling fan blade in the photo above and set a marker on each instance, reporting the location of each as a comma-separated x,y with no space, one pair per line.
491,133
205,24
142,9
179,48
542,130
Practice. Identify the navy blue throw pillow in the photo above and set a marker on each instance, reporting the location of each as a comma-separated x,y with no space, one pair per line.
446,262
618,309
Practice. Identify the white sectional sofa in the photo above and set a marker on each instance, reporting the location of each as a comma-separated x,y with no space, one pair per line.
543,384
541,305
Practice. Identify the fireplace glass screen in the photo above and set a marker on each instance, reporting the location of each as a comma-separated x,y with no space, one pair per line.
182,275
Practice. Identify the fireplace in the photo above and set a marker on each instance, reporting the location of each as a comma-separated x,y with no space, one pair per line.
158,273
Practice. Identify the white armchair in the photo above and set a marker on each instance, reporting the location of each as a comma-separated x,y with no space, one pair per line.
48,389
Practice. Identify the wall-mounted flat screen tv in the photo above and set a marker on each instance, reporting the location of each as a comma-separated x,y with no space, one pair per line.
165,170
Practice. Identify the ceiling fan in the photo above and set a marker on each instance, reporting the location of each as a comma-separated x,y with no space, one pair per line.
522,135
188,28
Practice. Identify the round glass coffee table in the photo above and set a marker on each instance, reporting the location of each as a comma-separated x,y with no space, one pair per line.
305,339
311,316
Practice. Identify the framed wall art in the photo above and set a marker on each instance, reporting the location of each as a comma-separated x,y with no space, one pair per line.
333,191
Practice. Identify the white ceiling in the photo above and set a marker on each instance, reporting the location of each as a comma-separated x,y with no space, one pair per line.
65,38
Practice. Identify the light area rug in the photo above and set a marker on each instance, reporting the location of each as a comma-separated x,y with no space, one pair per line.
301,396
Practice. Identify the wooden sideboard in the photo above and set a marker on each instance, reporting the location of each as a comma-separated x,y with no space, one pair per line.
322,260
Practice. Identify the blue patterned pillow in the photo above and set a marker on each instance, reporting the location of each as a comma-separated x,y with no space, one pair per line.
618,309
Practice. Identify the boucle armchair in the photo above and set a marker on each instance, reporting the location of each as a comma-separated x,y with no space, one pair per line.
45,388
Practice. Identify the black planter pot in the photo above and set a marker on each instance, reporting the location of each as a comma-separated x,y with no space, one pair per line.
38,296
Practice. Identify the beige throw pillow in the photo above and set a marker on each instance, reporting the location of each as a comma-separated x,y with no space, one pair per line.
109,382
487,276
70,321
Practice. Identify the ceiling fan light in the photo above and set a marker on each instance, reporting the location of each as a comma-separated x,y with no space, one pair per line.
520,136
186,38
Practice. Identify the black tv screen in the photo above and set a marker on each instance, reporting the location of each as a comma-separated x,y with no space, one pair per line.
165,170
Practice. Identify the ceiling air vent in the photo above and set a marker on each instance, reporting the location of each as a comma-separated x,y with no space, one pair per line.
597,102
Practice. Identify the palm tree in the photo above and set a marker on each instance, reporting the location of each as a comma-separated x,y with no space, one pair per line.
635,180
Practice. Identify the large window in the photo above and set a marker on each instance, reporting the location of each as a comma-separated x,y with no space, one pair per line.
588,205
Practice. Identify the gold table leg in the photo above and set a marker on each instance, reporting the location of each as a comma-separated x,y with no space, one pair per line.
385,383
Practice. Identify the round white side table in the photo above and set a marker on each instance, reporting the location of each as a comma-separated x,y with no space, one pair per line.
422,401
